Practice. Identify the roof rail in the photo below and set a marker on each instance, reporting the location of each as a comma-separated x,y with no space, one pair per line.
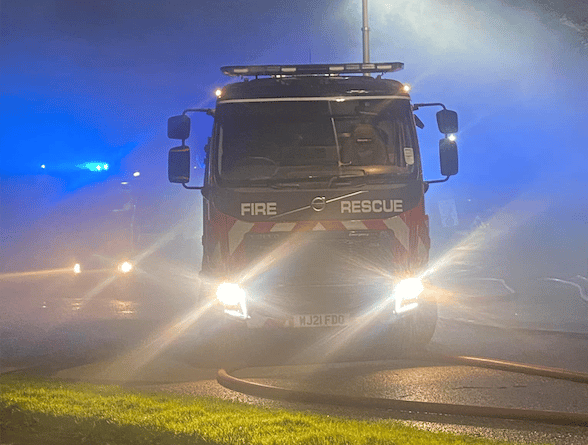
308,70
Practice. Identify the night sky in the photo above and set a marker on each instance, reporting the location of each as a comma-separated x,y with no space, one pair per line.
97,80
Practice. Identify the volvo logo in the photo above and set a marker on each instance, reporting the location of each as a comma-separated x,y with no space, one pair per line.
319,203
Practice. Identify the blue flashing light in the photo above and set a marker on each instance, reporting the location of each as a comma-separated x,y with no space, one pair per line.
94,166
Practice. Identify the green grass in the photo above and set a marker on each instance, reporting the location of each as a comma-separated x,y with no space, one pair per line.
46,411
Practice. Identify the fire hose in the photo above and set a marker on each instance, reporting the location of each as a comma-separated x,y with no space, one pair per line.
229,381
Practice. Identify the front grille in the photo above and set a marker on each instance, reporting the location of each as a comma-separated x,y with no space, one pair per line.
325,299
320,272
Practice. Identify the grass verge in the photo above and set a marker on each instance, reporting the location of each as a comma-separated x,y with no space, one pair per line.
47,411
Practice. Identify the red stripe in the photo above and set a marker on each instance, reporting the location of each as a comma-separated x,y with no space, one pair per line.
304,226
262,227
375,224
333,225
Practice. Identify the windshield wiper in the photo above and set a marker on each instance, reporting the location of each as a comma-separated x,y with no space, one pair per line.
284,185
332,181
348,178
300,180
360,180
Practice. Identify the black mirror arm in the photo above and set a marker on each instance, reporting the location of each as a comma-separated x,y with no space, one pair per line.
208,111
436,181
435,104
189,187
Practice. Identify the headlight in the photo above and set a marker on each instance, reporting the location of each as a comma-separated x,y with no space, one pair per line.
125,267
77,268
233,298
406,293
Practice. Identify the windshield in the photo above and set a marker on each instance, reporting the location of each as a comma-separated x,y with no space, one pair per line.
290,140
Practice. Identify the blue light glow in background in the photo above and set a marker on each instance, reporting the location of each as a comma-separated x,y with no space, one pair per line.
98,80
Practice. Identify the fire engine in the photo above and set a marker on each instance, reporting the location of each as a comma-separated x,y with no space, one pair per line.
313,201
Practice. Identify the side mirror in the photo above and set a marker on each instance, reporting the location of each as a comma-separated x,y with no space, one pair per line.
447,121
178,127
178,165
448,157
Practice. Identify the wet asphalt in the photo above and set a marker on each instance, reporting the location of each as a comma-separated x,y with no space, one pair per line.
171,352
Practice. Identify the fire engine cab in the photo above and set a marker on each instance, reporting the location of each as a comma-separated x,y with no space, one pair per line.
313,201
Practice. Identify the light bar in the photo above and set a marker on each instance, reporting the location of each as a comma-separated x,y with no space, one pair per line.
306,70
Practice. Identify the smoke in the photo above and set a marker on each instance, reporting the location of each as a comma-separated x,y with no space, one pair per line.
516,73
98,80
481,43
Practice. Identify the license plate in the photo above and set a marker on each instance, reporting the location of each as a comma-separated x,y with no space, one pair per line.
320,320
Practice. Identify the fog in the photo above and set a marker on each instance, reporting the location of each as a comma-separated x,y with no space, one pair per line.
516,73
96,81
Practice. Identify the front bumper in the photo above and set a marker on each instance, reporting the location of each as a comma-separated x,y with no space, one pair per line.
305,307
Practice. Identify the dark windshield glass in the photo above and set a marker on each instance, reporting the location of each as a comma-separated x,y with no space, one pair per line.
289,140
